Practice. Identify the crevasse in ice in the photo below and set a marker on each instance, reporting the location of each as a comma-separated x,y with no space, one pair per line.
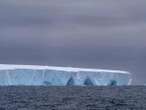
60,76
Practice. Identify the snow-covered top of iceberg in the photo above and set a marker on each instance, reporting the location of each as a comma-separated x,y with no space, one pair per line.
71,69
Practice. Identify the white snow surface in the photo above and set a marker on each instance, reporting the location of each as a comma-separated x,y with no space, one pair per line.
37,67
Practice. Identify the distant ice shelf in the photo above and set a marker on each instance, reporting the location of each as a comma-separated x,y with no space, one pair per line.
60,76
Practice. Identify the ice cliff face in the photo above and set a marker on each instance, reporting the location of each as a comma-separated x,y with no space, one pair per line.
60,76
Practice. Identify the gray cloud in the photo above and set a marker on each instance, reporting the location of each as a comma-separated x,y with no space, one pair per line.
98,34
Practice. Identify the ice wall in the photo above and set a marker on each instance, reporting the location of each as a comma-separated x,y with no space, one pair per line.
60,76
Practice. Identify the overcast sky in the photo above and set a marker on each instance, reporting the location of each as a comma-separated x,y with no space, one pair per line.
107,34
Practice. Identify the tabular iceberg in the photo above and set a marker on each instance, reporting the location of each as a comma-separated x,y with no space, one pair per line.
60,76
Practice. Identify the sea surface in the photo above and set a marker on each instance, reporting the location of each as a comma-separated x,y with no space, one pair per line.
73,98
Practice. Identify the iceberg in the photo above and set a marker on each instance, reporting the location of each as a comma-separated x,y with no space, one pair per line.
35,75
